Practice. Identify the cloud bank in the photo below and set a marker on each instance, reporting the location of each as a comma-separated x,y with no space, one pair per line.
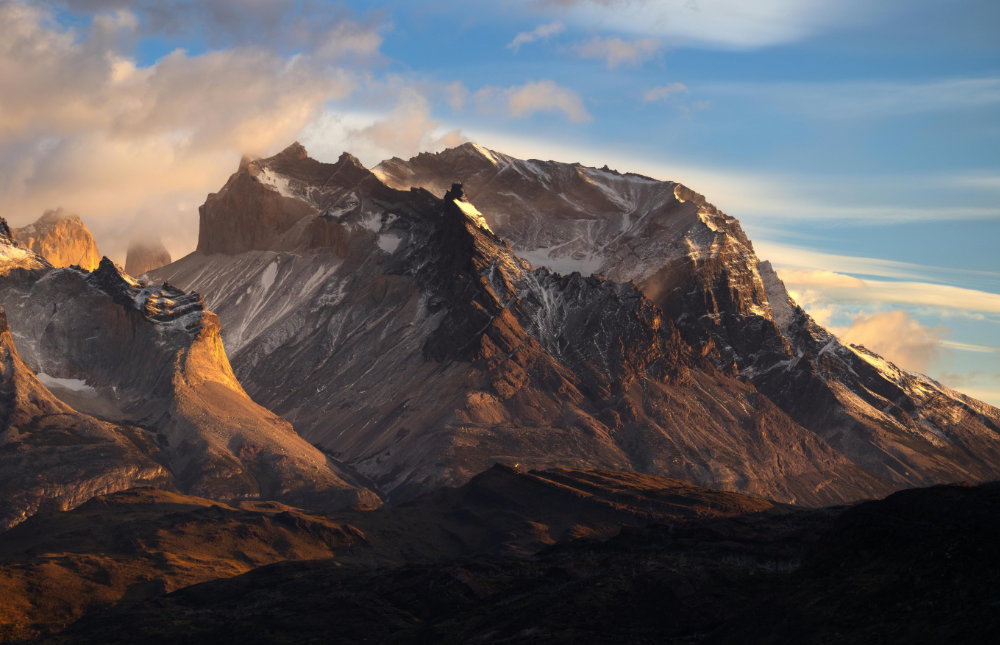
84,125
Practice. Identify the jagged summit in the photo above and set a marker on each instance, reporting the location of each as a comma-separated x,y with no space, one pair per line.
294,151
6,236
61,238
439,350
279,203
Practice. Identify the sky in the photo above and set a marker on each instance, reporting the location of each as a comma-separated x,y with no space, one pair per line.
857,142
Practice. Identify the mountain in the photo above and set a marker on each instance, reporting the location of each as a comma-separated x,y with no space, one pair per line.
143,256
52,456
61,238
696,264
399,332
148,360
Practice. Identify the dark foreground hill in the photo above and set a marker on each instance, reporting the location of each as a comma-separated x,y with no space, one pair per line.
917,567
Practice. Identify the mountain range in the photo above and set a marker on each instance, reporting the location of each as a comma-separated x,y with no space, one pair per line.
346,339
415,338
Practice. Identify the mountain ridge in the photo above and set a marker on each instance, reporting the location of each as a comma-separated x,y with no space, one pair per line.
467,288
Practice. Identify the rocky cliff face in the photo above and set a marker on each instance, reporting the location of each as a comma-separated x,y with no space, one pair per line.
406,337
54,457
145,256
696,264
151,358
62,239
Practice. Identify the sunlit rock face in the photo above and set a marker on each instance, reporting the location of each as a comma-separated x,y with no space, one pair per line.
406,333
61,238
149,360
146,255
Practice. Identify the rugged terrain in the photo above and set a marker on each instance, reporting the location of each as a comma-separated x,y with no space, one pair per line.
696,264
913,568
124,548
62,239
397,331
408,335
148,361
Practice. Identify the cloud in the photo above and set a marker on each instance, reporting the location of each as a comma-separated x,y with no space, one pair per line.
810,266
405,131
725,24
616,52
457,95
664,92
898,337
523,101
85,126
854,100
540,32
286,26
917,294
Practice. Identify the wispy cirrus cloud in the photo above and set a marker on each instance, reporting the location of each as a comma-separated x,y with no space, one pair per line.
616,52
726,24
664,92
831,268
541,32
854,100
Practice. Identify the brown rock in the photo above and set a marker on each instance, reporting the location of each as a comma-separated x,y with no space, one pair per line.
61,238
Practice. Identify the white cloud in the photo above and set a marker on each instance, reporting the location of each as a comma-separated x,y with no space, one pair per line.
728,24
616,52
541,32
405,131
521,101
664,92
812,266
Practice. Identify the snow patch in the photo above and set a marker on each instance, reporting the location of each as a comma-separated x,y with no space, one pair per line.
73,384
389,243
472,213
268,275
486,153
777,296
276,182
551,259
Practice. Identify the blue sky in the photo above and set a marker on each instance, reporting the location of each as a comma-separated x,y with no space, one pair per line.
856,141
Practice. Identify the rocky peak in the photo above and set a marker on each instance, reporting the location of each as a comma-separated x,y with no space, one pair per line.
61,238
272,204
5,233
112,280
295,151
145,256
455,192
